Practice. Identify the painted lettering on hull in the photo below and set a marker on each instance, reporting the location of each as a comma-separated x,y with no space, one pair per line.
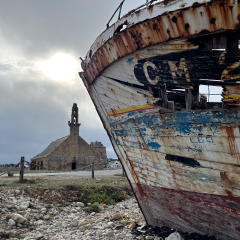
186,68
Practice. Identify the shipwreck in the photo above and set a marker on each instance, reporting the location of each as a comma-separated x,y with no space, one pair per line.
180,151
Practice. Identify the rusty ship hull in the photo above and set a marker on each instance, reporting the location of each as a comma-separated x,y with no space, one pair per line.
180,152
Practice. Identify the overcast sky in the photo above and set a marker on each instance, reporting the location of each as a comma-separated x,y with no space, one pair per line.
40,45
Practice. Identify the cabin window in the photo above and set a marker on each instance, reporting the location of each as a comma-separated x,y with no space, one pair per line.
212,93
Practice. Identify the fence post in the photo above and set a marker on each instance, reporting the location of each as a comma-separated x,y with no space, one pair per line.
123,172
93,170
21,169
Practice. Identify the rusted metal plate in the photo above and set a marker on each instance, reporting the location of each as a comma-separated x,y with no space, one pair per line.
134,16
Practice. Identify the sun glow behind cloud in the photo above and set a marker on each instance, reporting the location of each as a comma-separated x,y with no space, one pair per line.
60,67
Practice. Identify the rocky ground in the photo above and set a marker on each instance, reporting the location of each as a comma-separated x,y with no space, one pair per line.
24,217
53,211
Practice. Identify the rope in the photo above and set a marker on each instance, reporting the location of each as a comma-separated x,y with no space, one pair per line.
9,169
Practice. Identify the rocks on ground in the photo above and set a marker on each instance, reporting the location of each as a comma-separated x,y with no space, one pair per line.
30,217
56,218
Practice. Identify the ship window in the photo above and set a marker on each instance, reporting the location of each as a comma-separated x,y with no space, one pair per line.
213,94
184,160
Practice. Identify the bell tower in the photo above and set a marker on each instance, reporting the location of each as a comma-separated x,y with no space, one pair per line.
74,125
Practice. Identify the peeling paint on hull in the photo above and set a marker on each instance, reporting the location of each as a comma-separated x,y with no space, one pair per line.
175,160
191,211
180,153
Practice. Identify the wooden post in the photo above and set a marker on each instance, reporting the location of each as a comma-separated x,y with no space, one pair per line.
93,170
21,169
163,95
123,172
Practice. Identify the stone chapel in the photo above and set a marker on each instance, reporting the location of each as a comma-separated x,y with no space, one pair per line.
71,152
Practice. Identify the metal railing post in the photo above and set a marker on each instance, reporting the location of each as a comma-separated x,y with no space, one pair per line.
120,6
120,10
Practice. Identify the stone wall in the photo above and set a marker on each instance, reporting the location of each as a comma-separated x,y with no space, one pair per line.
102,152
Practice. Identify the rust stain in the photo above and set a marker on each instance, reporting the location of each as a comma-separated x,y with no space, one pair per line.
156,175
166,2
232,142
135,177
224,175
139,56
112,90
228,192
173,174
150,9
113,110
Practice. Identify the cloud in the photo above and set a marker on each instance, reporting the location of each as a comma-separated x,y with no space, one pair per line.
34,109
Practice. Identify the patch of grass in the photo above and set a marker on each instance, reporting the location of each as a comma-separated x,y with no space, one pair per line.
26,181
41,171
34,182
105,194
93,208
18,236
57,182
30,205
104,189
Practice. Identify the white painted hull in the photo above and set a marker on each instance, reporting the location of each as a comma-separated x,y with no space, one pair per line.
181,156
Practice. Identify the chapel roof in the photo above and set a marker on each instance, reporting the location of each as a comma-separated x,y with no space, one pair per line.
53,145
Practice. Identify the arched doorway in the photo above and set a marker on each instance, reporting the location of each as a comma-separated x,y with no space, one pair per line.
74,166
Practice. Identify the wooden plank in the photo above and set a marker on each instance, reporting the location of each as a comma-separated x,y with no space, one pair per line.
107,86
225,180
184,150
181,182
179,130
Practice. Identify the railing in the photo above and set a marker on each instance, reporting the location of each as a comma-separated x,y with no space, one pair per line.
120,9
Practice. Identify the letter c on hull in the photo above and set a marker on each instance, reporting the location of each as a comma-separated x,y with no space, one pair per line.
149,65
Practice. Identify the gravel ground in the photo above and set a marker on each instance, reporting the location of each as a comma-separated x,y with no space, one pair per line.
41,217
74,173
